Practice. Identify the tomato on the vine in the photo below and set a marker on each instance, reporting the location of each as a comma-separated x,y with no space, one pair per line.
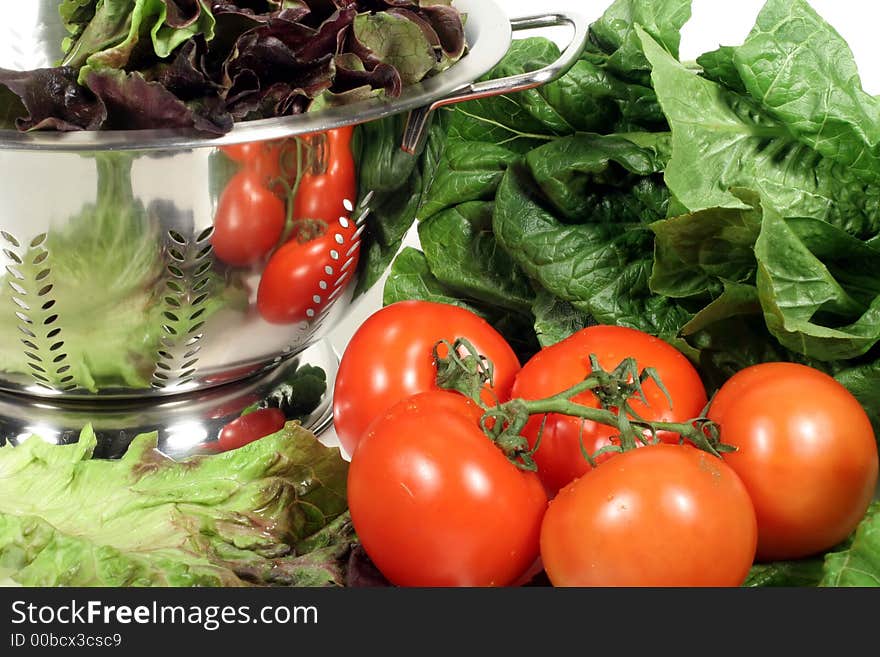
560,455
390,358
249,221
661,515
806,453
435,503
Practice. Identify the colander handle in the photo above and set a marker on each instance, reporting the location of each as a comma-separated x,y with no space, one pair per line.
418,119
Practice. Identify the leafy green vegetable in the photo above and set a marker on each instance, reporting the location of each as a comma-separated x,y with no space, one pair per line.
806,77
272,512
462,253
858,563
601,268
411,278
202,65
804,572
105,257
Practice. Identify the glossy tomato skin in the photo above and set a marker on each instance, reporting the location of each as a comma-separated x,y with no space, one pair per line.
302,274
435,503
806,453
390,358
322,253
660,516
561,366
248,428
249,221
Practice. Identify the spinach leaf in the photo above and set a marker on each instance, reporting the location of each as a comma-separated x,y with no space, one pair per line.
390,185
411,278
555,319
803,572
615,32
719,66
463,254
600,268
857,564
600,178
697,253
863,381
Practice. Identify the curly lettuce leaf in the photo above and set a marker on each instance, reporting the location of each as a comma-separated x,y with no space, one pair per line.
272,512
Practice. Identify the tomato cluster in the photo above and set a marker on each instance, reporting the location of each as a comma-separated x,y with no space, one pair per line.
289,206
435,502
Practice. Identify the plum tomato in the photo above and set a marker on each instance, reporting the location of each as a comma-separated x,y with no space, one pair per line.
805,451
249,221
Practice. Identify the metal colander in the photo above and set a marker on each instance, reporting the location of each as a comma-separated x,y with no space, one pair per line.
173,317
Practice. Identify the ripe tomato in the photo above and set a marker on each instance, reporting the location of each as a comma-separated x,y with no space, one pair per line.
322,254
807,455
248,428
662,515
270,161
249,221
302,274
390,358
560,366
328,186
436,503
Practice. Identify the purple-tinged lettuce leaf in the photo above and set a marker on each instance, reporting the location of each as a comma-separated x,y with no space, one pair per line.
51,98
133,103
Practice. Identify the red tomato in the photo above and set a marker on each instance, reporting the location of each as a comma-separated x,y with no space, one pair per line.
322,254
328,187
436,503
807,455
248,428
390,358
249,221
560,366
302,274
663,515
270,161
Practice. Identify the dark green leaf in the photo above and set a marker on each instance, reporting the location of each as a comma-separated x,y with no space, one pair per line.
555,319
807,308
602,269
694,252
463,254
806,572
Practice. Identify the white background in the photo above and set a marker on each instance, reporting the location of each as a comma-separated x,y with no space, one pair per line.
713,23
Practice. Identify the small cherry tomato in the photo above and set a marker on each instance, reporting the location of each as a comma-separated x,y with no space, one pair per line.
662,515
805,451
248,428
556,368
249,221
436,503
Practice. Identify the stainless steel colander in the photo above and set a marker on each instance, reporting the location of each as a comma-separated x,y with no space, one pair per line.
176,318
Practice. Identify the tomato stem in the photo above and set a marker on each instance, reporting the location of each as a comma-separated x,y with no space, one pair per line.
466,371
